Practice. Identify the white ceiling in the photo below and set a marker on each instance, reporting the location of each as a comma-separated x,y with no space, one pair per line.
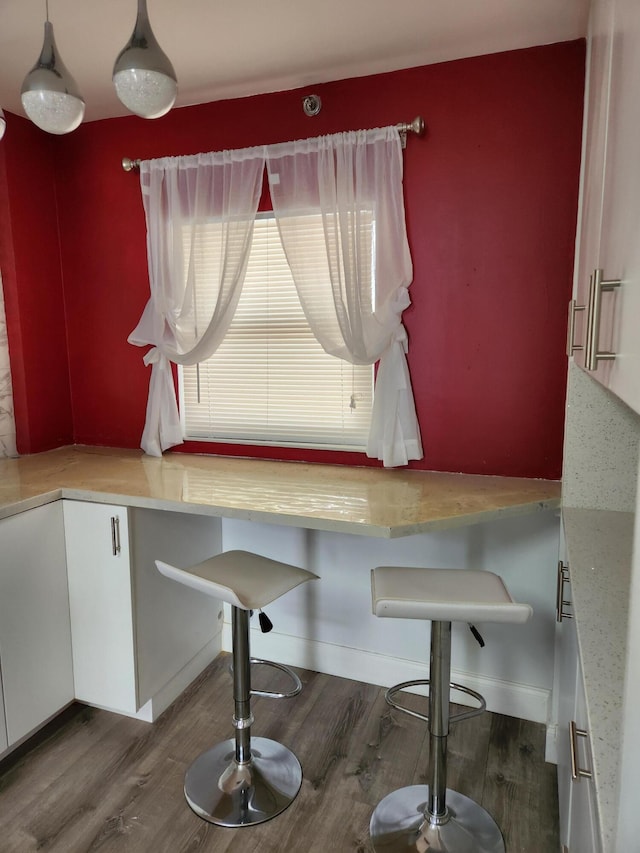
246,47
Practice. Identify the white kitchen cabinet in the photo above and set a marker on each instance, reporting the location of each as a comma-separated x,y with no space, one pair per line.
138,639
592,178
101,605
609,220
4,743
620,240
35,640
629,778
600,510
584,832
566,680
579,829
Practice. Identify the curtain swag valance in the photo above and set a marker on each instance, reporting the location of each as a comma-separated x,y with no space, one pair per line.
337,176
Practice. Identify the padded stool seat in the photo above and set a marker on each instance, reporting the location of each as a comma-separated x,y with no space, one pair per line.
421,818
446,595
240,578
245,780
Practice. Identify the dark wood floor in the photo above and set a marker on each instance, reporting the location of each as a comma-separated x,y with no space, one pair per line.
101,782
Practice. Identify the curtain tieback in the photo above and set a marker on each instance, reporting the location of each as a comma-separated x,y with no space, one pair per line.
400,337
153,356
156,356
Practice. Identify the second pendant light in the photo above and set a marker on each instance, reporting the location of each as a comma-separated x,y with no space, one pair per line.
143,75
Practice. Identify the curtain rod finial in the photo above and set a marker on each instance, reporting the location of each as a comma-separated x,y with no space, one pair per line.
417,125
128,164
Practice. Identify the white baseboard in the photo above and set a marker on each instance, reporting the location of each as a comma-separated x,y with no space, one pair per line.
9,749
503,697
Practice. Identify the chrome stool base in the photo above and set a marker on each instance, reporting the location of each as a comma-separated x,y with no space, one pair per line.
224,792
400,824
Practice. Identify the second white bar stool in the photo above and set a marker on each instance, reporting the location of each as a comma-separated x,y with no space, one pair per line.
245,780
431,817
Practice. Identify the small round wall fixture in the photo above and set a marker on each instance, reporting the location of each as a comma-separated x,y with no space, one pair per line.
143,75
311,104
49,94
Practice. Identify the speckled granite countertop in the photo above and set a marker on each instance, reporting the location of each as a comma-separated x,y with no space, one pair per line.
368,501
599,550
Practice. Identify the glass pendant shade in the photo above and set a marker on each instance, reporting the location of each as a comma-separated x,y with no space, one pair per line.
3,123
143,75
50,95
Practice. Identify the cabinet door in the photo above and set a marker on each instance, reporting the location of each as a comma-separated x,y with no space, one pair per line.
35,641
579,831
620,240
594,147
100,600
4,743
584,834
567,680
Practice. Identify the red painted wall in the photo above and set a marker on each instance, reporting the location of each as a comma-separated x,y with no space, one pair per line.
32,281
491,198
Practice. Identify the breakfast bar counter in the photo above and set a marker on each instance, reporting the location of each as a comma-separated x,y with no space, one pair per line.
83,526
362,500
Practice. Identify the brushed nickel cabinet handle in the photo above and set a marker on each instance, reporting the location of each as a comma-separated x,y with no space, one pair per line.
598,285
571,330
115,535
577,772
561,603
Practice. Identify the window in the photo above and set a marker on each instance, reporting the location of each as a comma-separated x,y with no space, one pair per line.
270,381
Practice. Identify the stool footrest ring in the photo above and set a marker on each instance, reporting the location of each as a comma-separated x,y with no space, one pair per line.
454,718
297,684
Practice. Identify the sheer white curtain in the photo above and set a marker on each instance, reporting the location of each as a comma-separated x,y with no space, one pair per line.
7,423
180,195
350,178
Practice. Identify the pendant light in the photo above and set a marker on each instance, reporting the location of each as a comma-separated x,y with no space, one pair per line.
50,95
3,123
143,75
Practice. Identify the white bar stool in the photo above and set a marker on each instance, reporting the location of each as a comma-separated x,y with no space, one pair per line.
431,817
245,780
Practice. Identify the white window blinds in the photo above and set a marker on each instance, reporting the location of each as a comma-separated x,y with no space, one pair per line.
270,382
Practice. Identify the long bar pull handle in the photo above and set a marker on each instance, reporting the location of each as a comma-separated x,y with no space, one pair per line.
577,772
115,535
561,603
597,287
571,331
